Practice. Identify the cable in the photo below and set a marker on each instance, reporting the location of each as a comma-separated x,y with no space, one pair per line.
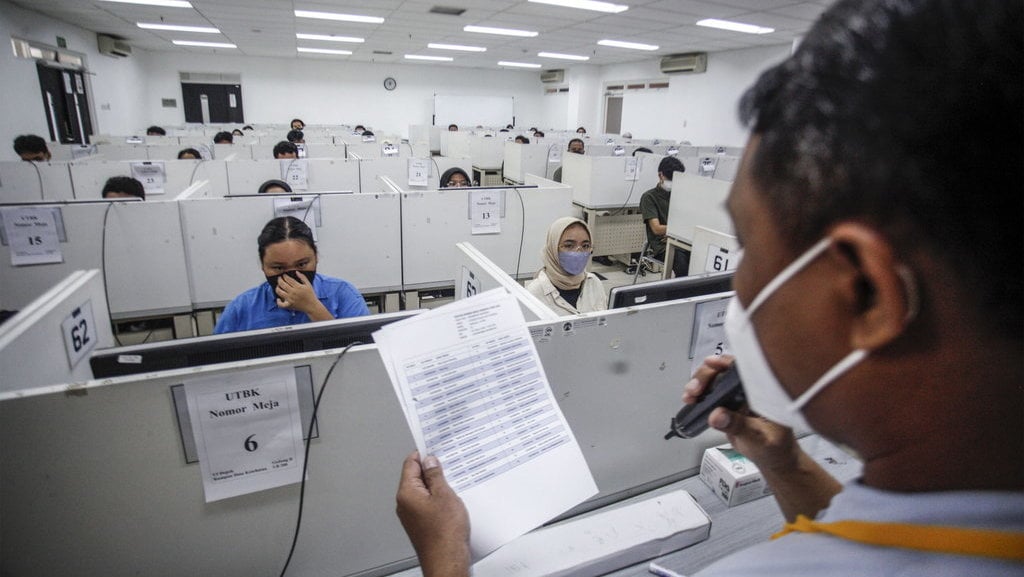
437,170
191,179
547,160
39,176
305,460
639,165
103,268
522,232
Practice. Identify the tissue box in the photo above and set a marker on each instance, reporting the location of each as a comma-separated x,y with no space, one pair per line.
731,476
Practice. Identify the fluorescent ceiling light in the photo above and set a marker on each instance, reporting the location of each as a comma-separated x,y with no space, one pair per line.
203,44
436,46
329,38
518,64
167,3
633,45
586,5
500,31
341,17
433,58
200,29
562,56
734,26
324,51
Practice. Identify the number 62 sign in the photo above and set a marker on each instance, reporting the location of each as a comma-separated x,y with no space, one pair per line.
79,333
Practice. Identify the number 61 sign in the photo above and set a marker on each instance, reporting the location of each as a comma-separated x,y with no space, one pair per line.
79,333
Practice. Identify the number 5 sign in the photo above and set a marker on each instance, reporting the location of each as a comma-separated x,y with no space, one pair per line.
79,333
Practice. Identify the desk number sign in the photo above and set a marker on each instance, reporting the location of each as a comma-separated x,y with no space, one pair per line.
79,330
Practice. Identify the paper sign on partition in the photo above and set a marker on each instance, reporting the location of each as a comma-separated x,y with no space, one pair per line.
295,172
708,337
485,211
152,175
305,209
247,430
419,172
32,235
475,395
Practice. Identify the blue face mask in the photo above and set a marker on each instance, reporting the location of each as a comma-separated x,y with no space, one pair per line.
573,262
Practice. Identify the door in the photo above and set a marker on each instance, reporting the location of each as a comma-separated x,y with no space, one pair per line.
613,114
212,103
66,104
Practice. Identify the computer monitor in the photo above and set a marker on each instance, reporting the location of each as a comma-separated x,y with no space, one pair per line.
670,289
225,348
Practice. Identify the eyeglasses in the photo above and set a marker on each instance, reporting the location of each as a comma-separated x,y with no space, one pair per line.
570,246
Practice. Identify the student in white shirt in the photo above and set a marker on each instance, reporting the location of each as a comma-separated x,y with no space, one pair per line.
563,283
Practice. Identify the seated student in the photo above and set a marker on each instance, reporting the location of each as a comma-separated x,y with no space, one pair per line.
455,177
274,186
223,138
189,154
123,187
31,147
369,136
654,209
359,129
155,131
854,225
538,134
576,146
286,149
237,132
294,293
453,128
581,130
522,140
296,137
246,127
298,124
642,149
563,283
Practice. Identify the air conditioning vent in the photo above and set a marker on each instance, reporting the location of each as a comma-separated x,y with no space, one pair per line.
553,75
692,62
113,46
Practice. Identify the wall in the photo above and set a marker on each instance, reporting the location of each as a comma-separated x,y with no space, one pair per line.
119,83
335,91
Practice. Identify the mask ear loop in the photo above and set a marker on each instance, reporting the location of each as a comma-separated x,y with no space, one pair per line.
912,294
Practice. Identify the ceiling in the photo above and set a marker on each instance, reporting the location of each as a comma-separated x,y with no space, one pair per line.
268,27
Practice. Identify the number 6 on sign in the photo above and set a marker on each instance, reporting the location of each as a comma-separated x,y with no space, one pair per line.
719,259
79,336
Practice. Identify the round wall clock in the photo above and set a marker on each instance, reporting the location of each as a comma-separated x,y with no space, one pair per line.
389,83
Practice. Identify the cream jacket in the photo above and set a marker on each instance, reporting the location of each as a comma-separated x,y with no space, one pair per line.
592,298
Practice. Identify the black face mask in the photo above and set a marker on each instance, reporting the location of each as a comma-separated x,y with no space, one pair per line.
309,274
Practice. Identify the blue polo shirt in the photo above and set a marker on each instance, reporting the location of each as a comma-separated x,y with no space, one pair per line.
257,307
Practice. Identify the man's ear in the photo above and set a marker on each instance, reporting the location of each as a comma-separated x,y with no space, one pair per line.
884,291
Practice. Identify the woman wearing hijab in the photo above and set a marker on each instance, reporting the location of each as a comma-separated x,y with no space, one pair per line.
563,283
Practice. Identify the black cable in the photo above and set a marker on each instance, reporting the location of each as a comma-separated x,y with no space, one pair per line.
547,160
437,170
103,269
191,179
636,175
412,153
39,176
305,460
522,231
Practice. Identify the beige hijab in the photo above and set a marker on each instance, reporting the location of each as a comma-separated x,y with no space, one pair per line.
549,254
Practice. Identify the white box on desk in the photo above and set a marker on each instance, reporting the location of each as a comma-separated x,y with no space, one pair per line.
731,476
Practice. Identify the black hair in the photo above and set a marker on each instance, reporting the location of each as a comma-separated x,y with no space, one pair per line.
125,184
579,140
295,135
453,124
274,182
523,138
284,147
581,128
223,138
643,149
191,151
30,144
367,133
538,134
239,131
246,127
670,164
156,130
906,116
448,174
299,120
284,228
503,130
359,127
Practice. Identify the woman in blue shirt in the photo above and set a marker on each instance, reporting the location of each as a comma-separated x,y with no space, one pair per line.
294,293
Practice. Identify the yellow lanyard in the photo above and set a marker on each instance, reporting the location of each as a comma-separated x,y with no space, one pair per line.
935,538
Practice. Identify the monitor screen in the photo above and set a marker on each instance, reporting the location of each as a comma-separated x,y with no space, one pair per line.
670,289
226,348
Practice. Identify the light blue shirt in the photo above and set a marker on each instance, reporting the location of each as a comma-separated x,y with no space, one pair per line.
257,307
819,555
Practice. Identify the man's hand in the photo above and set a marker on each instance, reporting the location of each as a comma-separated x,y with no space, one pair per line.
434,518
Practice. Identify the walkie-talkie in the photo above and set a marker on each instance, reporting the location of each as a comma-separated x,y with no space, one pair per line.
725,391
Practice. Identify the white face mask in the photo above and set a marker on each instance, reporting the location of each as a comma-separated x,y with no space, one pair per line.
666,185
765,393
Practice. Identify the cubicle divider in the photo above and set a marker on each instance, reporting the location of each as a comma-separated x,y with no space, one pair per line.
265,150
22,181
319,174
88,178
397,169
713,251
523,159
475,274
93,480
61,327
138,244
697,201
609,182
357,237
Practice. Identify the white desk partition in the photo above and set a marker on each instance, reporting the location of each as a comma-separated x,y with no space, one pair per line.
22,181
92,475
397,169
37,333
602,182
475,273
246,176
712,251
122,151
369,150
144,257
697,201
523,159
88,178
719,150
265,150
609,149
726,168
358,240
434,221
486,152
426,134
